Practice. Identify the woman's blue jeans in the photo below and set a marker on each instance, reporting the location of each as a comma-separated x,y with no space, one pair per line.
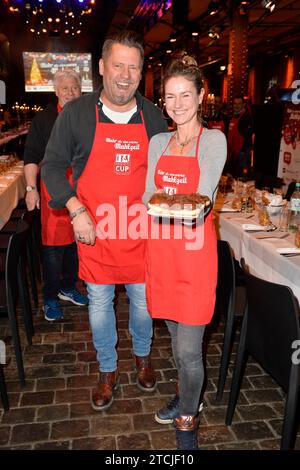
187,352
103,322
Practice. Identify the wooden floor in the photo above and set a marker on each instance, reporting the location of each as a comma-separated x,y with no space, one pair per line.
53,411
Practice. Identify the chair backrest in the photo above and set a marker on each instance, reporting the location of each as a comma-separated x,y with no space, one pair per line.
29,216
15,249
272,326
291,188
226,278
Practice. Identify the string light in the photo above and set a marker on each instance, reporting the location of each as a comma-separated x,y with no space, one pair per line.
37,13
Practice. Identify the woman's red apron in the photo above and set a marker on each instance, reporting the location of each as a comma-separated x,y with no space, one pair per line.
181,283
112,182
235,140
57,229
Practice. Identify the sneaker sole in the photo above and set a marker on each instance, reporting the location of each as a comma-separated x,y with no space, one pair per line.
170,421
163,421
64,297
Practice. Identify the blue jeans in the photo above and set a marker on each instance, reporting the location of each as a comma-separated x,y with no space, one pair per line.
187,353
103,322
60,269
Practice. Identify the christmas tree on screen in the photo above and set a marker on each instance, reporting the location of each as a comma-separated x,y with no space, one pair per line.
35,73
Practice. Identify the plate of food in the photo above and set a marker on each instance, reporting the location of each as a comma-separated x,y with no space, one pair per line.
179,206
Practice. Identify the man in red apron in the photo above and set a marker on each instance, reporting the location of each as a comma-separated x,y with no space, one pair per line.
104,137
60,259
217,119
239,140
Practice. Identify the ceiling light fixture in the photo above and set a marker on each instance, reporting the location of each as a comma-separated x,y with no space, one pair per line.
213,7
268,4
173,37
36,12
213,34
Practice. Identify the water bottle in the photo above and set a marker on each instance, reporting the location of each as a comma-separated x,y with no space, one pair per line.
295,209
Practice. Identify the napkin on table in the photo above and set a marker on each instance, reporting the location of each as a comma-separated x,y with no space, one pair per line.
254,227
288,250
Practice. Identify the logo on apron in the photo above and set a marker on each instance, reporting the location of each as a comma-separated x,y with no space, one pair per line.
123,164
169,190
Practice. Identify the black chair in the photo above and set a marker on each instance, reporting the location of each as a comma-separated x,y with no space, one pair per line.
229,303
291,188
3,390
270,181
269,329
33,246
14,286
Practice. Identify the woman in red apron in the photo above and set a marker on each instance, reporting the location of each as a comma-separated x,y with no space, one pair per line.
181,278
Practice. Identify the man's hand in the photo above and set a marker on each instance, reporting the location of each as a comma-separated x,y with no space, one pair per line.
84,229
32,200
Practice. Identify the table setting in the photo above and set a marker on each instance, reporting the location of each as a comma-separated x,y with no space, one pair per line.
259,234
12,185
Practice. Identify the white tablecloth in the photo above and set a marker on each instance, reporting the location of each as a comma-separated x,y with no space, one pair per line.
12,188
6,137
260,255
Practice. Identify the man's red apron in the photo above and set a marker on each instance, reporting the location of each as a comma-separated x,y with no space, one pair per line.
116,167
57,229
181,283
214,124
235,140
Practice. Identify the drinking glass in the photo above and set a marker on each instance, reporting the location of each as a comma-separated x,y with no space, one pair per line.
297,238
284,219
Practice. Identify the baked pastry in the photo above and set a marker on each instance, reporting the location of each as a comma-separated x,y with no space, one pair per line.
178,204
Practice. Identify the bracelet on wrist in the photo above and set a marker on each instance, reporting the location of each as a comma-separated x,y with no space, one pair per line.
78,211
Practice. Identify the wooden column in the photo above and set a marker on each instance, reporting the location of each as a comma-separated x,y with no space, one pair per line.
149,86
238,54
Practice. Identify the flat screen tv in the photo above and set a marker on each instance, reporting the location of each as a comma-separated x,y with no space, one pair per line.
40,67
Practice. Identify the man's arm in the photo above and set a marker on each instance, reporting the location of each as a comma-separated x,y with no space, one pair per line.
246,130
58,158
33,154
32,198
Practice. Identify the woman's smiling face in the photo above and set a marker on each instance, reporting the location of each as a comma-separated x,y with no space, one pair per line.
182,100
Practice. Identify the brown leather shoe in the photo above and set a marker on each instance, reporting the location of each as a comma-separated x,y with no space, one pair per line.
102,396
146,378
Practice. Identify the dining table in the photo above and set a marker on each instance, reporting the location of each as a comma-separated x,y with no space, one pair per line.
12,189
259,247
12,134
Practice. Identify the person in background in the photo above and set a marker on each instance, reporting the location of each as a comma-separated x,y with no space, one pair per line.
218,119
239,139
104,136
7,123
181,282
59,256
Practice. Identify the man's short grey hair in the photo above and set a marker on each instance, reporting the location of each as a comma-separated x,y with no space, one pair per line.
126,38
66,73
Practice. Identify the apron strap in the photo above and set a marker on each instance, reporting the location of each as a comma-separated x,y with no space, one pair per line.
198,141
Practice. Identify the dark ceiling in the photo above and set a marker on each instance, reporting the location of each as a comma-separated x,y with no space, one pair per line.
267,32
